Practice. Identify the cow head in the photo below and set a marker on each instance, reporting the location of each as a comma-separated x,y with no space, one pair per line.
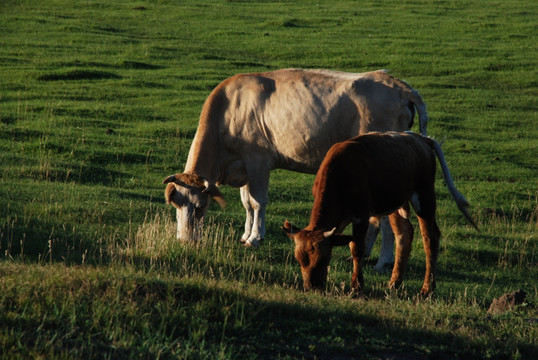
313,250
190,194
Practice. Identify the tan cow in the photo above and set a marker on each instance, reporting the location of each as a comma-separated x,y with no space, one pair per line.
253,123
368,176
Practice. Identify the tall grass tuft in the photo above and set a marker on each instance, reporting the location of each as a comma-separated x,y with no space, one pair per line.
217,255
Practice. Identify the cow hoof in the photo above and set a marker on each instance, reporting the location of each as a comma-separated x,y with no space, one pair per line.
253,243
383,268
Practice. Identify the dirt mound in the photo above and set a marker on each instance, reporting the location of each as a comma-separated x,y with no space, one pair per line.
507,302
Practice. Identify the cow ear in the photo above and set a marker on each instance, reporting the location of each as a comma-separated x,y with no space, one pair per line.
217,196
215,193
169,193
340,240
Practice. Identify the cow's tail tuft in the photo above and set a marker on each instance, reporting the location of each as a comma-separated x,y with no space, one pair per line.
458,197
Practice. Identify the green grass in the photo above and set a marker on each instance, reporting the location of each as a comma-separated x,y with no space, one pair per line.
99,102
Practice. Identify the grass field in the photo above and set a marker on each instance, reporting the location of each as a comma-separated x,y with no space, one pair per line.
99,102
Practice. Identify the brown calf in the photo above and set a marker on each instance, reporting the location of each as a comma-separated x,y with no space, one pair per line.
370,176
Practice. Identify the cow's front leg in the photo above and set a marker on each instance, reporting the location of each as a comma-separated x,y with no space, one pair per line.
357,247
258,196
245,199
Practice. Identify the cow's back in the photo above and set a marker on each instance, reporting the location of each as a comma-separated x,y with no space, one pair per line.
294,116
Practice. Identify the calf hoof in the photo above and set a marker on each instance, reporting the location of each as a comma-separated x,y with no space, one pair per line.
394,285
356,287
355,293
426,292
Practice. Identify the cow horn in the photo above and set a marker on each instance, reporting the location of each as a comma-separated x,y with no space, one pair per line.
327,234
206,186
169,179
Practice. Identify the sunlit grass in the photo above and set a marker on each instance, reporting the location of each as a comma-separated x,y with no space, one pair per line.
99,101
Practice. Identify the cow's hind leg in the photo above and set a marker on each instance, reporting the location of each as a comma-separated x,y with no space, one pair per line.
357,247
371,235
403,235
386,254
245,199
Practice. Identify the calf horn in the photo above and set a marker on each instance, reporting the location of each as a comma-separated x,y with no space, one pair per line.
330,233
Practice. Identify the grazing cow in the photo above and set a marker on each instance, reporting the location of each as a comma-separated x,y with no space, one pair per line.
253,123
368,176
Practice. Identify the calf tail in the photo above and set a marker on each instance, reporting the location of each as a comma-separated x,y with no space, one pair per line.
458,197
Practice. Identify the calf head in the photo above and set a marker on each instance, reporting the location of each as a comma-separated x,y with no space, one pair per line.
313,250
190,194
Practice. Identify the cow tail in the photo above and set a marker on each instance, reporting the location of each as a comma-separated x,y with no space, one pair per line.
419,104
458,197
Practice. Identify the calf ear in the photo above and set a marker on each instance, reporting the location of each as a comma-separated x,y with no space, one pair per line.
289,228
340,240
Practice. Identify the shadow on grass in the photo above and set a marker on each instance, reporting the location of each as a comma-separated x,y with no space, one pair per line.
199,316
249,325
78,75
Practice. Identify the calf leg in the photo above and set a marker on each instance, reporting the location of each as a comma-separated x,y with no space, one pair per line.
424,204
357,247
403,235
430,238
